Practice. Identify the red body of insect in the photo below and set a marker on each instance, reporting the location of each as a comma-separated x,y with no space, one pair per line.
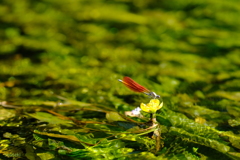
134,86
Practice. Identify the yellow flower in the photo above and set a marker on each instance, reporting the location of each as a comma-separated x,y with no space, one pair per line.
152,106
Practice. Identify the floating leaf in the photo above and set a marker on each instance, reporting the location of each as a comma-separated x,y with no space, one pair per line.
181,121
114,116
229,95
234,122
46,155
46,117
67,137
200,140
6,113
30,153
234,111
12,151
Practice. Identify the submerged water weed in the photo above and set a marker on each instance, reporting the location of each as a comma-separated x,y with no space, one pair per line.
191,59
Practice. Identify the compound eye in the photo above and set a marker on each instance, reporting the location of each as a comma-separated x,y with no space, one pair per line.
157,96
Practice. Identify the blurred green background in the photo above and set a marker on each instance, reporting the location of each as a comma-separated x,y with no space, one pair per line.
186,51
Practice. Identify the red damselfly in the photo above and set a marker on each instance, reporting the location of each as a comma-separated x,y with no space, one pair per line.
134,86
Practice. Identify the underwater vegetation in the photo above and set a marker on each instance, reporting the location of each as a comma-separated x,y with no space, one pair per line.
60,62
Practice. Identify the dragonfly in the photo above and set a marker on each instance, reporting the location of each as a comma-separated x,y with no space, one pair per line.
134,86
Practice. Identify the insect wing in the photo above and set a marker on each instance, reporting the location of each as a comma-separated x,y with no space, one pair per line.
134,86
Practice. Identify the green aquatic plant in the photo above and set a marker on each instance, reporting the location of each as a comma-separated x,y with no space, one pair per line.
59,65
150,128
